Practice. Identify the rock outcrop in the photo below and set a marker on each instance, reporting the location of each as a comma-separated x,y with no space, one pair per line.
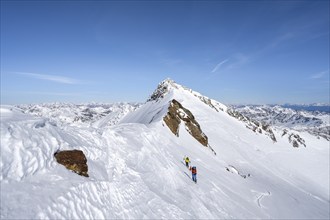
177,113
74,160
162,90
294,138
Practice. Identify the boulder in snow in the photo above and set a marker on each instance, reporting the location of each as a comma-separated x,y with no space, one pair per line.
74,160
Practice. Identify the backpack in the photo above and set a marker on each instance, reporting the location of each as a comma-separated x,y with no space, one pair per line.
194,170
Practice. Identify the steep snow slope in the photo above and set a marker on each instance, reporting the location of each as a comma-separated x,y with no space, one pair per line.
136,168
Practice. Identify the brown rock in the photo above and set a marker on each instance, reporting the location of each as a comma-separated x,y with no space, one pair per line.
173,122
195,131
74,160
176,113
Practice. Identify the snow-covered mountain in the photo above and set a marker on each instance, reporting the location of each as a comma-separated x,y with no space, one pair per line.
246,169
96,114
320,107
314,122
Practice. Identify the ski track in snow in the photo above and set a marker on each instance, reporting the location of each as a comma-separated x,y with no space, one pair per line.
261,196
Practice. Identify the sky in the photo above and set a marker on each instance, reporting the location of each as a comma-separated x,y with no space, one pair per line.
236,52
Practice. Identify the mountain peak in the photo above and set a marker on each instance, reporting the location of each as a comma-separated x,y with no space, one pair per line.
167,81
168,85
162,89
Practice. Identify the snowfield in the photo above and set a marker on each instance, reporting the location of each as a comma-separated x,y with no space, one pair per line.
136,168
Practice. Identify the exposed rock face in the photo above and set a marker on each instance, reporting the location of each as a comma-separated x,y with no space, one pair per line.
161,90
294,139
172,118
74,160
176,113
195,130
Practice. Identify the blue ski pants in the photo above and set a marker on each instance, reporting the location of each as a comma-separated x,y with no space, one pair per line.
194,177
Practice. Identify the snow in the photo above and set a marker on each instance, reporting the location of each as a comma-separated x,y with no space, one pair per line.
136,168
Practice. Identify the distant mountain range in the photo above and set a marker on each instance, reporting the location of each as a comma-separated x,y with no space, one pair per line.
90,114
315,122
321,107
309,107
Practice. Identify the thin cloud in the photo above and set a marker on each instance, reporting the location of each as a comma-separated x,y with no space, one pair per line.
240,59
53,78
219,65
319,75
281,39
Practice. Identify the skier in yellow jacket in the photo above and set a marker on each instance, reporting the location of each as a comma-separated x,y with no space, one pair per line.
186,159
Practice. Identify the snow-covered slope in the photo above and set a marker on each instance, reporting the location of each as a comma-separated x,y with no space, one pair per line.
136,169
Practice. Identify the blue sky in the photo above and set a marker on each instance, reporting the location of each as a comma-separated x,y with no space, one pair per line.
237,52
